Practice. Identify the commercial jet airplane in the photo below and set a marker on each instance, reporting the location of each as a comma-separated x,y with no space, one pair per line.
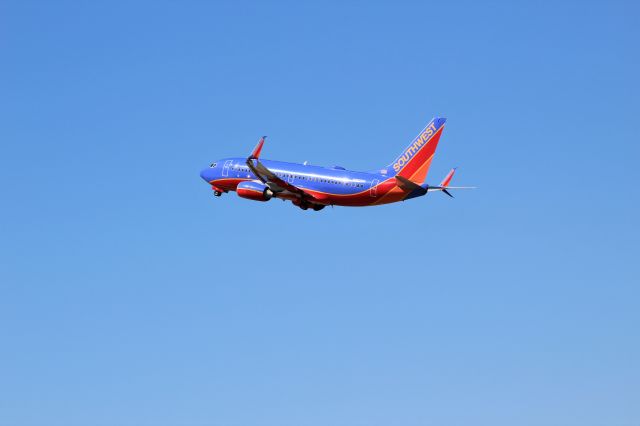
315,187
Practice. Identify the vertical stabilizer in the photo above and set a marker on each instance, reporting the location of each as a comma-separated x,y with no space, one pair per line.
415,160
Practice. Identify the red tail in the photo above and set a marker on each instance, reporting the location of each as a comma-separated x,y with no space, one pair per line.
414,162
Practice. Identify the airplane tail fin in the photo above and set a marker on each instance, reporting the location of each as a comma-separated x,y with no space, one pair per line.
415,160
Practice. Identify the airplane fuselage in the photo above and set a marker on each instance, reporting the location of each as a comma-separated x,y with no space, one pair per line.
308,186
329,185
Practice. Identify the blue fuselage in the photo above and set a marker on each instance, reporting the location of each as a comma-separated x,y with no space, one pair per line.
332,185
312,186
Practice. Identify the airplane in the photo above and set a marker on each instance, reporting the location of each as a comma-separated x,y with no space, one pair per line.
314,187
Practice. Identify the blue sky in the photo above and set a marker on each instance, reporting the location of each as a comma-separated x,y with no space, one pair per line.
130,296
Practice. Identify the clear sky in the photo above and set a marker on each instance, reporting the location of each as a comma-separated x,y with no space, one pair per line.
130,296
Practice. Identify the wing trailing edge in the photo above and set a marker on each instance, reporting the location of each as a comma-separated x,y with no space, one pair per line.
270,179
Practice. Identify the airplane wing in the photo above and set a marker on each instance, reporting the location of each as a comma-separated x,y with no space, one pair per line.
273,181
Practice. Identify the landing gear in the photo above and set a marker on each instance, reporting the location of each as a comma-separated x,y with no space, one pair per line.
217,193
306,205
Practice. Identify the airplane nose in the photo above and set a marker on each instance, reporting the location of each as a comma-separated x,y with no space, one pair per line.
207,175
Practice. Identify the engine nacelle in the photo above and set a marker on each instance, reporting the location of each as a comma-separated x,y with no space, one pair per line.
255,191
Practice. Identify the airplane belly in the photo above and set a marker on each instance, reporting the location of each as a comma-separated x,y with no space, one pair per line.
377,193
228,184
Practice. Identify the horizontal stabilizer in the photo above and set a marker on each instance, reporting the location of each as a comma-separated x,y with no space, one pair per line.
446,189
448,177
444,185
409,186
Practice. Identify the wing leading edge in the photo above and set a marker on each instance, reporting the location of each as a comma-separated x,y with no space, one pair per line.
273,181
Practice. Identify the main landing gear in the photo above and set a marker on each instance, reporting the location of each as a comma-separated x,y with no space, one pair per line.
217,193
304,205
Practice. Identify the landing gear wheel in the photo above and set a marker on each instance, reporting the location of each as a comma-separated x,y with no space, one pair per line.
304,205
217,193
318,207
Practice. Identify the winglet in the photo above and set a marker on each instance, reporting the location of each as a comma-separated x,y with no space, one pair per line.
256,151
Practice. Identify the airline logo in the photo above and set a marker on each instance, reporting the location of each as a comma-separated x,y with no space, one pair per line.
418,142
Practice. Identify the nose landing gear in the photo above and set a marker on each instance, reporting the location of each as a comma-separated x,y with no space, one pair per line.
217,191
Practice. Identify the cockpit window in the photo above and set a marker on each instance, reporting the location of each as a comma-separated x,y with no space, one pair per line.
212,165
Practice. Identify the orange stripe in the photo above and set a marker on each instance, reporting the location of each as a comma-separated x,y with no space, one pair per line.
432,143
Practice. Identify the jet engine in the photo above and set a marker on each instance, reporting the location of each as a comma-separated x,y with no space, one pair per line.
254,191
